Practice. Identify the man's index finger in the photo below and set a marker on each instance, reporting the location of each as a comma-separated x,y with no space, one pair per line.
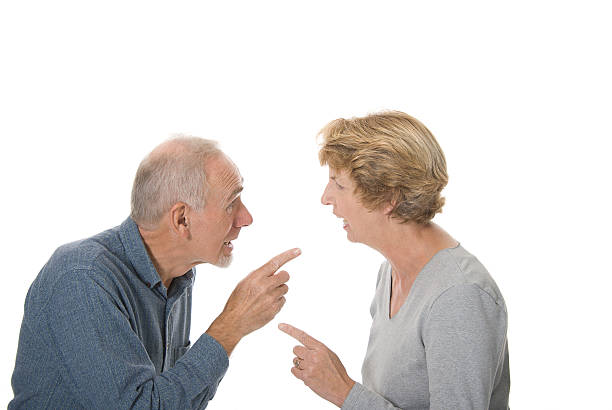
279,260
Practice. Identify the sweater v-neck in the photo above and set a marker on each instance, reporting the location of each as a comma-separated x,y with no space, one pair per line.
388,287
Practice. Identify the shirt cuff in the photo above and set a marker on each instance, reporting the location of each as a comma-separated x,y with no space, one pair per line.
352,400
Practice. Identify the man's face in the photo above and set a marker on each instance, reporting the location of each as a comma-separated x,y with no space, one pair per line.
224,214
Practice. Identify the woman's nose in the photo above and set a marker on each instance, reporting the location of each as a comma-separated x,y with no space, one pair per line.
325,199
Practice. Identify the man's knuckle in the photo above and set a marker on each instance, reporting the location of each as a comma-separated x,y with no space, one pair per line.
252,291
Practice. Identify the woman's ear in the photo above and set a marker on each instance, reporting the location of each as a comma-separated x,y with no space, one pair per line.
389,208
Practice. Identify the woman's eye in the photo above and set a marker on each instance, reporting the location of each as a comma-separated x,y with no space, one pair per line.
339,186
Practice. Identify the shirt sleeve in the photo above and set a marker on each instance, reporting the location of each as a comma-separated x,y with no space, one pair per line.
106,365
464,337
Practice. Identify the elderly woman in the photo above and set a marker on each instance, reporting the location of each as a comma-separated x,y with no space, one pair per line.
439,321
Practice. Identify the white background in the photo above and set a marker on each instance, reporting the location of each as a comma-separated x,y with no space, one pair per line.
518,95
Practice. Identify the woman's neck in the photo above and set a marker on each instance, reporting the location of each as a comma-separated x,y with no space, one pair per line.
409,247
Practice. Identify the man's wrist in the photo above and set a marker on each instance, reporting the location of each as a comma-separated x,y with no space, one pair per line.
225,331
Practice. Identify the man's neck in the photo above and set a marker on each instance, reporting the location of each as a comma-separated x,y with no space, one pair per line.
164,254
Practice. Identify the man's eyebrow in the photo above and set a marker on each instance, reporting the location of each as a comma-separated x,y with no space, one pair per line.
235,194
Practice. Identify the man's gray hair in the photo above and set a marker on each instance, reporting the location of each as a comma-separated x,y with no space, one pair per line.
173,172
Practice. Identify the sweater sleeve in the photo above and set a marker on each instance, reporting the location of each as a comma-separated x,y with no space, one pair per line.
464,337
361,398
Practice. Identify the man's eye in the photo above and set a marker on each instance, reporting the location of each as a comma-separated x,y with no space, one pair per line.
339,186
230,207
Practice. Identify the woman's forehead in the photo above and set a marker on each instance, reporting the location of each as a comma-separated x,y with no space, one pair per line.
336,173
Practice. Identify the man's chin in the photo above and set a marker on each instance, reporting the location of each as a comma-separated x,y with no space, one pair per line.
224,261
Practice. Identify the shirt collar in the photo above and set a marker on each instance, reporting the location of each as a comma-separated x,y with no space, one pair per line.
137,253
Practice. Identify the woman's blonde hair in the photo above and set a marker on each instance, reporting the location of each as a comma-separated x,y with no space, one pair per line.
393,159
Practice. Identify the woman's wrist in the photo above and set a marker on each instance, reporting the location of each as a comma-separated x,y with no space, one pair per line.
344,392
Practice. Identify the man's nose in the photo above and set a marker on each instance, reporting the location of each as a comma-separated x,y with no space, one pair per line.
244,217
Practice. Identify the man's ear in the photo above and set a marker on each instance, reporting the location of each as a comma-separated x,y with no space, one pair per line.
178,219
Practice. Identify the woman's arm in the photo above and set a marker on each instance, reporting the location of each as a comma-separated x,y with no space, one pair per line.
465,340
318,367
321,370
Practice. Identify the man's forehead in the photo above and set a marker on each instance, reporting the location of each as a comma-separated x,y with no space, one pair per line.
224,176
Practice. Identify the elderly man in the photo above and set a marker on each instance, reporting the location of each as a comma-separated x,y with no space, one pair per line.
107,320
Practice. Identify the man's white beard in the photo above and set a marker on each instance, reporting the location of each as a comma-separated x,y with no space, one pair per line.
224,261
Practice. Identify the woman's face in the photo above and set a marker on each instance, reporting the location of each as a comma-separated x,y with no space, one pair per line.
360,223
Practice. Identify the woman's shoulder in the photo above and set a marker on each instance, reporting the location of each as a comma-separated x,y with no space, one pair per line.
385,269
457,269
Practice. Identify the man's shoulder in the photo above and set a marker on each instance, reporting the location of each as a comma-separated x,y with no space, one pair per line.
87,254
96,259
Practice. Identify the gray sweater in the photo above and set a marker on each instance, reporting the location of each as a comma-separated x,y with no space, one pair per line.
446,347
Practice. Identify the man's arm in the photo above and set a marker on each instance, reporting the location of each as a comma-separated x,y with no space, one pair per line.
103,361
253,303
105,364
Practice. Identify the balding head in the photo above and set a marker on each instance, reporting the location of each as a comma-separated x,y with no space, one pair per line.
173,172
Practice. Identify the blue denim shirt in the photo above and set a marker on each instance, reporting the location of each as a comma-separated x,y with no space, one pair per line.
100,331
